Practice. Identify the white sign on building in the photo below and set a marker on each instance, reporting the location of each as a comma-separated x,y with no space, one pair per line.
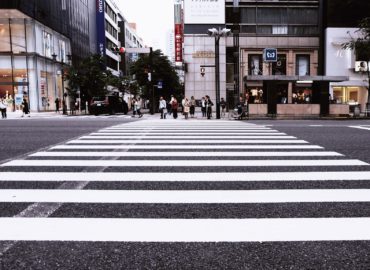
204,11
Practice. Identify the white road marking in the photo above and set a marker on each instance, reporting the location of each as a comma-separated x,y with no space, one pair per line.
184,196
184,230
187,137
184,177
193,147
361,127
266,133
184,154
164,142
183,163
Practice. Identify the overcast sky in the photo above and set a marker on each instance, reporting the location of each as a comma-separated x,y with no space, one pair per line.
153,18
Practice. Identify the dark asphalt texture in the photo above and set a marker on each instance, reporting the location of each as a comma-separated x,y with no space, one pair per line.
20,138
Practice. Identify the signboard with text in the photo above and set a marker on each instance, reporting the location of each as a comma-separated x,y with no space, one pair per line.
204,12
100,27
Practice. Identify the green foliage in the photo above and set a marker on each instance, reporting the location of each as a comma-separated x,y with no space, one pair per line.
161,70
90,77
361,45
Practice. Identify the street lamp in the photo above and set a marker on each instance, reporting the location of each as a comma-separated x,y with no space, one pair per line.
213,32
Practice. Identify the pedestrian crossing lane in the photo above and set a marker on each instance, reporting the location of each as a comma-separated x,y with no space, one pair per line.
159,152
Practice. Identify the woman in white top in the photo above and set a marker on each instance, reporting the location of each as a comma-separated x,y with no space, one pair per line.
162,107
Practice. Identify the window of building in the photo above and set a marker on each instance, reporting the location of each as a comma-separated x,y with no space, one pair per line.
279,67
279,29
255,64
302,65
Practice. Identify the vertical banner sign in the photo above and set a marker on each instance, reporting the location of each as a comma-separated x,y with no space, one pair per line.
178,32
100,26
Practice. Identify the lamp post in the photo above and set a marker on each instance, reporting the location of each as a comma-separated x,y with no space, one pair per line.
213,32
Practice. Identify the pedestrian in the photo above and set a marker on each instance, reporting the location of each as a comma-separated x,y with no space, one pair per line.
186,108
57,104
162,107
169,107
3,107
192,106
136,108
204,113
25,108
223,107
174,107
209,104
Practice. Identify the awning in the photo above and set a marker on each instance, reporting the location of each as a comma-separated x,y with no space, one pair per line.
354,83
296,78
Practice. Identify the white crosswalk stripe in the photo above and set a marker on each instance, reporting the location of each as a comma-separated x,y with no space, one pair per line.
177,163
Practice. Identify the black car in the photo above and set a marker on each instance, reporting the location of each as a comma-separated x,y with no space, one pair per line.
110,104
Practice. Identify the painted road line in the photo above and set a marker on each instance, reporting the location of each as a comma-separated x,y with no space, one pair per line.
192,147
186,154
274,133
184,196
185,177
183,163
184,230
361,127
187,128
187,137
164,142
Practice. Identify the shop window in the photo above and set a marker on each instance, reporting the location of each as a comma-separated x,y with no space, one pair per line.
255,64
4,36
302,95
302,65
282,93
255,95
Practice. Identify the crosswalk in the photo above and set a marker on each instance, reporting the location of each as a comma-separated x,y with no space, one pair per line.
200,164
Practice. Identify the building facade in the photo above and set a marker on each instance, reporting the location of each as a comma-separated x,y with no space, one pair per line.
293,84
36,44
340,24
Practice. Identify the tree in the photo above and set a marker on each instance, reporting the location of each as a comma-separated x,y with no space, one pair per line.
161,71
90,77
361,46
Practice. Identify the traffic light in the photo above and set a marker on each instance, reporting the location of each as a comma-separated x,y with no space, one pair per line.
118,50
115,49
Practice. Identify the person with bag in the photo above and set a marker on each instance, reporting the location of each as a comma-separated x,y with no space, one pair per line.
186,108
204,113
223,107
162,107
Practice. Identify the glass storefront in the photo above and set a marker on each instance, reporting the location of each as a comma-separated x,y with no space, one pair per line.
354,96
31,57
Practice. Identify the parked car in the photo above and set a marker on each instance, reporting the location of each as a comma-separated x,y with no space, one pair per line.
110,104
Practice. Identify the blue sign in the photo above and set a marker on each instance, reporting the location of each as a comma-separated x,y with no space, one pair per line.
270,55
100,27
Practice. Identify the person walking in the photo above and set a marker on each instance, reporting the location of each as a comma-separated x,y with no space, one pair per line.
186,108
136,108
3,107
26,109
209,105
223,107
204,113
162,107
57,104
174,106
192,106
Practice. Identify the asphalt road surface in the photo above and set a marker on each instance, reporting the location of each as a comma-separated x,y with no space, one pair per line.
197,194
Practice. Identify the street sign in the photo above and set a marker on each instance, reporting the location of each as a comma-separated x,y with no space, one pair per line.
270,55
160,84
137,50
